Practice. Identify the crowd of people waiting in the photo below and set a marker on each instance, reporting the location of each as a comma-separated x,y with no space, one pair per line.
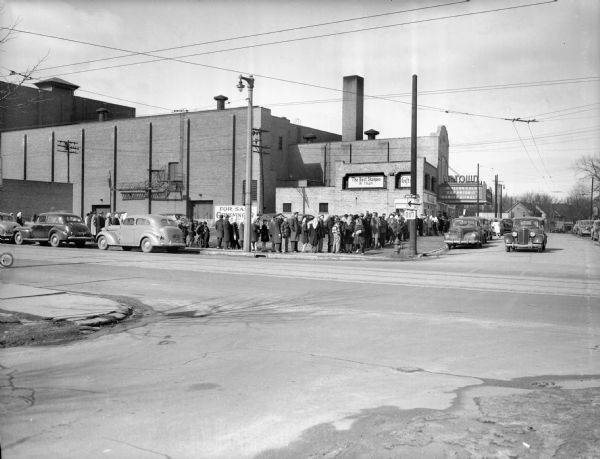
335,234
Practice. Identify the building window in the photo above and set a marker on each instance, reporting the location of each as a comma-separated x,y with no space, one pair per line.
280,145
433,184
287,207
323,207
427,185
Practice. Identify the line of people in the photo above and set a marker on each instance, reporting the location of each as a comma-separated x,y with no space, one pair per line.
334,234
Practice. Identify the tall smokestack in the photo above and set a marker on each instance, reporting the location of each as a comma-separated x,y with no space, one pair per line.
352,108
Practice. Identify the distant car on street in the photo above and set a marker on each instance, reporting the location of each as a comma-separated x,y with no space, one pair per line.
527,233
54,228
467,231
583,228
146,231
7,227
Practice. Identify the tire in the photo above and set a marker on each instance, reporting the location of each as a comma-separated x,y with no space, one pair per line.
507,249
18,238
54,240
102,243
449,246
6,260
146,245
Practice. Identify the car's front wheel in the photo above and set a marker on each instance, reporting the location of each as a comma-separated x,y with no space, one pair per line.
54,240
508,248
146,245
102,243
18,237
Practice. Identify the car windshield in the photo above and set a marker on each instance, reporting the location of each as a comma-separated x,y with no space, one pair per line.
461,222
527,223
72,219
167,222
586,222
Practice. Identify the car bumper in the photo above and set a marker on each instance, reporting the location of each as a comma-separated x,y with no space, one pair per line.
458,241
170,244
79,239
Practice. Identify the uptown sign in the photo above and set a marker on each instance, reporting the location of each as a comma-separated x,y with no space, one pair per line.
462,179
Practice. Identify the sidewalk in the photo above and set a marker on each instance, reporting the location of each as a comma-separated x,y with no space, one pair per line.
426,246
55,305
91,311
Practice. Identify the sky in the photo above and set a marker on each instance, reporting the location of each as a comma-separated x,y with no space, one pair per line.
515,82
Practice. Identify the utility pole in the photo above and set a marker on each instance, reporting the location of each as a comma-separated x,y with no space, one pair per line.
478,187
496,196
70,148
248,193
592,201
412,224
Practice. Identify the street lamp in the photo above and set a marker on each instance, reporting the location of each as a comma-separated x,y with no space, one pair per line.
248,192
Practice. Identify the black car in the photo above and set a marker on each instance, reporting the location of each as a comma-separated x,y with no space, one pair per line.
54,228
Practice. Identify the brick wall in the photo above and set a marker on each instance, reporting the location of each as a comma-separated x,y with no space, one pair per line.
33,197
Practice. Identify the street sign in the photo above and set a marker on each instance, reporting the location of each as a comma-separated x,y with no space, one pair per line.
407,202
410,214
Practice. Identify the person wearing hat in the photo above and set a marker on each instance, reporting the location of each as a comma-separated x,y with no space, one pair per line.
19,218
295,229
227,233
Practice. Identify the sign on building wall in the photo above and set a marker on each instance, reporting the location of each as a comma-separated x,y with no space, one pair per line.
404,181
366,181
457,193
236,213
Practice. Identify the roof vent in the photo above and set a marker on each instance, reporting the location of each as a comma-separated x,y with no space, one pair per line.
102,114
310,137
221,102
371,134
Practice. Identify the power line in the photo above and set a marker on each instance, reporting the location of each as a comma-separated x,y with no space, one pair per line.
240,37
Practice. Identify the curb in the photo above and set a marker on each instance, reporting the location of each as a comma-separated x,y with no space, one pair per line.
96,320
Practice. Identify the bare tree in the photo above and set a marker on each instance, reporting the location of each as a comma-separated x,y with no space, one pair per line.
15,79
589,166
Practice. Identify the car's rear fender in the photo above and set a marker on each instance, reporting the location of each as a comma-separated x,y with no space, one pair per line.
111,237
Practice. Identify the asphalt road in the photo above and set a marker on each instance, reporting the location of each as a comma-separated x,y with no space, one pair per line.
244,357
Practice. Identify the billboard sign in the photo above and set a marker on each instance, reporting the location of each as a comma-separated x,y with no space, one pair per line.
235,213
366,181
459,193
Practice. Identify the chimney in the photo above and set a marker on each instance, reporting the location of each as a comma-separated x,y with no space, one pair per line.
102,114
352,108
371,134
220,102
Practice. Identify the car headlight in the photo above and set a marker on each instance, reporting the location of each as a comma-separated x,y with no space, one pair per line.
531,234
514,234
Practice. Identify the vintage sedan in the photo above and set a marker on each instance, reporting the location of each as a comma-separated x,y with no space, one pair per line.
584,228
54,228
527,233
467,231
146,231
7,227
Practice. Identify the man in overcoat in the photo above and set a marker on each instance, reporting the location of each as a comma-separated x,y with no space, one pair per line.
220,230
295,229
275,234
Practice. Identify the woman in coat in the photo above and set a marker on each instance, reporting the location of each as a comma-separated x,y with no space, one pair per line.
264,235
359,235
254,234
304,233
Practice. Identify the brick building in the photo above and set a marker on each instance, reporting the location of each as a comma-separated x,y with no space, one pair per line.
355,175
52,103
190,162
184,162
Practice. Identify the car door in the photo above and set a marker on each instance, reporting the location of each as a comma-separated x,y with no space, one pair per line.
39,228
126,232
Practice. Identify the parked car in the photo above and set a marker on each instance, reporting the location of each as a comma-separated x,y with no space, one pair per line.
181,219
465,231
595,235
7,227
583,227
146,231
54,228
527,233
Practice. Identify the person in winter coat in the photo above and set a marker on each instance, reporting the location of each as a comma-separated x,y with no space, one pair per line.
275,234
227,232
375,230
264,235
336,232
220,230
304,233
359,234
295,231
20,219
286,232
254,234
